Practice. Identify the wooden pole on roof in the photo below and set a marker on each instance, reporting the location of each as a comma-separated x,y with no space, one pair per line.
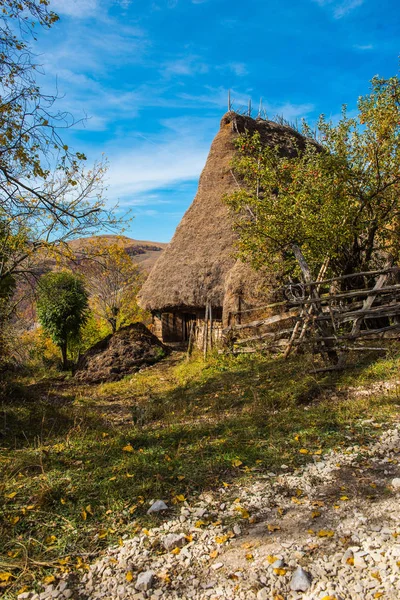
229,100
249,107
260,108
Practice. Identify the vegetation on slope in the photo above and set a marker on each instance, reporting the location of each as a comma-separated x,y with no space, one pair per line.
79,474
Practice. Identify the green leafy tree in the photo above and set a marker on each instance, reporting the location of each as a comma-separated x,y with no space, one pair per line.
62,308
338,199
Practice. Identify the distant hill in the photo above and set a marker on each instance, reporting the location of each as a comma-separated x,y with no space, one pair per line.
143,253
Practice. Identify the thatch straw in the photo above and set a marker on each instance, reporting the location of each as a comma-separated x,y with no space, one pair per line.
199,263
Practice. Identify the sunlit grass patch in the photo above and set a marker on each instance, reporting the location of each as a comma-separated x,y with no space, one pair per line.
73,470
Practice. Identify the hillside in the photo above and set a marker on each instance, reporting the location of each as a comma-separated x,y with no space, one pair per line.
143,253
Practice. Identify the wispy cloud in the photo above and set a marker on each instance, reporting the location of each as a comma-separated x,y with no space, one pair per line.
340,8
149,166
363,47
75,8
238,68
189,65
288,110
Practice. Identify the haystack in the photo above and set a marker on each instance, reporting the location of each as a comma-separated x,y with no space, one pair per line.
199,265
128,350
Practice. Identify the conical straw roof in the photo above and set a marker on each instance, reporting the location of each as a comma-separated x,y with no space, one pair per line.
199,264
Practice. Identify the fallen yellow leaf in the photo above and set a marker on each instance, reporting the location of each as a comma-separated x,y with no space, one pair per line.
11,495
214,554
236,462
129,576
128,448
175,551
273,527
325,533
249,556
221,539
49,579
271,559
280,571
199,523
303,451
50,539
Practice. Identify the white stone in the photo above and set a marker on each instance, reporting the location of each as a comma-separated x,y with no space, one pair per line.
301,580
145,581
174,540
157,506
396,483
278,564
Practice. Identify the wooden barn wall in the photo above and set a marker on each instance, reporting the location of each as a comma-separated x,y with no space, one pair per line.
174,327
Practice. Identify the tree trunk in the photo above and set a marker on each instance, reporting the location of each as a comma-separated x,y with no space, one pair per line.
63,348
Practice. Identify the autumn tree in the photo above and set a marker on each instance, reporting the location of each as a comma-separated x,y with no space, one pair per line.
338,199
47,193
113,281
62,309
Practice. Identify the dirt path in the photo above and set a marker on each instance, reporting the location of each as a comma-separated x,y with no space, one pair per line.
338,519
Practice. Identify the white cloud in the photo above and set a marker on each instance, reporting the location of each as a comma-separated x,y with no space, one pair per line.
363,48
189,65
75,8
288,110
340,8
149,166
237,68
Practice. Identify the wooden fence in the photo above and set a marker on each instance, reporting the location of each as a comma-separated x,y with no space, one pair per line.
331,317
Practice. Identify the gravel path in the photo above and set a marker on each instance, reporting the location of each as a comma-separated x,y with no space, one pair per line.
330,531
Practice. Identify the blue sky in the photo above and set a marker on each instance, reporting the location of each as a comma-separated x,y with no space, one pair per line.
152,78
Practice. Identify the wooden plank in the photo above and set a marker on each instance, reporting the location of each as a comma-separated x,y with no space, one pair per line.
345,295
354,275
368,302
361,334
347,316
263,322
269,334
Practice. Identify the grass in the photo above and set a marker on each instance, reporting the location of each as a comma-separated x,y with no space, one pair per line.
78,474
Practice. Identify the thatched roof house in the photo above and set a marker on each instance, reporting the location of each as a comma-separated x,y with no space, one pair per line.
199,264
